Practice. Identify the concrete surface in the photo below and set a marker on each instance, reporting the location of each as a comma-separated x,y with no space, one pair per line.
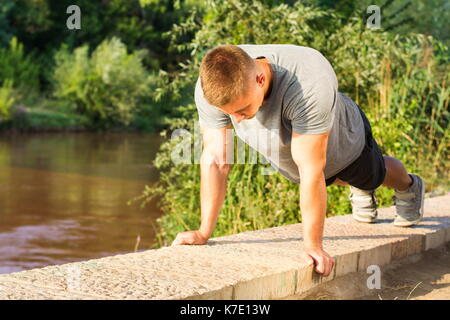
263,264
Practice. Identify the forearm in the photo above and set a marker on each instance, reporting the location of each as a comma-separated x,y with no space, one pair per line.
313,204
213,183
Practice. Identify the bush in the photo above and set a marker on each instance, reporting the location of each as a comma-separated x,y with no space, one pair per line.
18,67
108,86
6,99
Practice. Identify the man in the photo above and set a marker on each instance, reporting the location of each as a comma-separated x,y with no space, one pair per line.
324,138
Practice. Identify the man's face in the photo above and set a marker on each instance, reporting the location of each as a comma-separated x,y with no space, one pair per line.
246,106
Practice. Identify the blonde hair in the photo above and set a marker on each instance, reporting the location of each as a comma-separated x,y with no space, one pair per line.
224,74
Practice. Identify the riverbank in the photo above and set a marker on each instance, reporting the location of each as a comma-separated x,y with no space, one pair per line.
44,119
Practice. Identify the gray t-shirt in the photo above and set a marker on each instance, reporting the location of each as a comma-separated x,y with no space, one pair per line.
305,99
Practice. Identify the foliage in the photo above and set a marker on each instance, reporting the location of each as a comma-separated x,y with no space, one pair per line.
6,99
18,66
6,30
107,86
400,82
41,25
400,16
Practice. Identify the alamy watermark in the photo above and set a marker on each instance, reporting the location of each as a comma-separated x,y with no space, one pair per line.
73,22
374,20
374,280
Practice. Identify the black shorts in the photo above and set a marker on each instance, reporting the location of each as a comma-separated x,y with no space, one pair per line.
367,172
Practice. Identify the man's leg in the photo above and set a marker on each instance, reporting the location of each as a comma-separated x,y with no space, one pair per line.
371,170
364,207
396,176
339,182
409,194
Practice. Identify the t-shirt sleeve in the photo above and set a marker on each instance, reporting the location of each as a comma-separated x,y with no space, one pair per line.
209,115
313,112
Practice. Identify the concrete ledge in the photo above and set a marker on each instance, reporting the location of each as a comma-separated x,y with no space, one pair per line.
263,264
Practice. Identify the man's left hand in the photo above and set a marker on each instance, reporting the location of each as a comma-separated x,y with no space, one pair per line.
323,261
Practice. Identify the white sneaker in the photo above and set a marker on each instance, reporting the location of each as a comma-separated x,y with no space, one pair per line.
409,204
364,205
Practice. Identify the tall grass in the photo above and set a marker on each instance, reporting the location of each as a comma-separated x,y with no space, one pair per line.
410,116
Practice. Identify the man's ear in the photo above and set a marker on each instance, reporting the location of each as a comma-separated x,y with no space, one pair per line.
260,79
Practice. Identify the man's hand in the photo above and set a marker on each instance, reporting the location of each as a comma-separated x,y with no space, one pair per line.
190,237
323,262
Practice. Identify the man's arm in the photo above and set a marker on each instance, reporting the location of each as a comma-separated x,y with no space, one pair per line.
309,153
214,169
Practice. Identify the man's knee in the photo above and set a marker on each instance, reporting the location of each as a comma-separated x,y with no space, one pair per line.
339,182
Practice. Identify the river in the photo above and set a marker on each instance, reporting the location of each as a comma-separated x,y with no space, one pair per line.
63,197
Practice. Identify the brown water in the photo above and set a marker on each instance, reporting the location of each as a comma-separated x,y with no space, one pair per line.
63,197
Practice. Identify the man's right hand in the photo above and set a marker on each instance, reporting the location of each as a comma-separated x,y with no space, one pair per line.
190,237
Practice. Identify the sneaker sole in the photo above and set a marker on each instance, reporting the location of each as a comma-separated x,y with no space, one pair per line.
364,220
412,223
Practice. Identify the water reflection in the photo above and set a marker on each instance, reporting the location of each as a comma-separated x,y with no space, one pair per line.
63,197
